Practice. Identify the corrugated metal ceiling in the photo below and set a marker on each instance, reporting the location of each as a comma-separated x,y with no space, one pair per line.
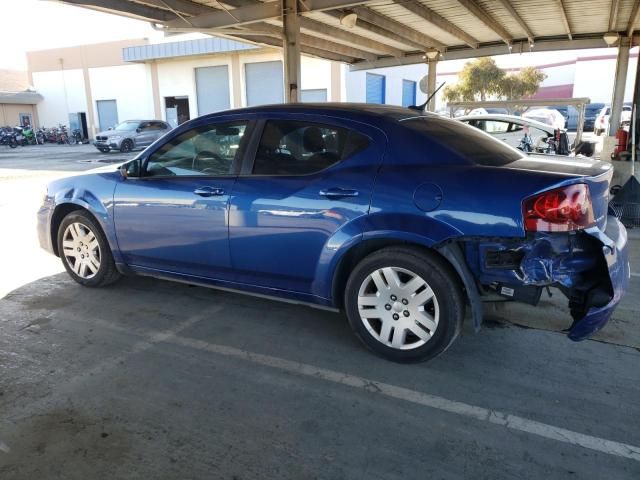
484,20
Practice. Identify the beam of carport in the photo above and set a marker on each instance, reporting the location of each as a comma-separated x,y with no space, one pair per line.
478,12
291,45
338,34
516,16
256,12
313,51
318,43
377,30
127,8
417,39
442,23
633,18
565,19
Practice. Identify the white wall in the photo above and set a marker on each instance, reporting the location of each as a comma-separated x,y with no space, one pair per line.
63,92
595,78
356,83
128,85
315,74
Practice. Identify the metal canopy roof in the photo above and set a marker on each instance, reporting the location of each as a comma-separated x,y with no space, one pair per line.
395,32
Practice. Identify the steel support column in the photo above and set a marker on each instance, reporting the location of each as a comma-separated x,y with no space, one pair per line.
431,83
291,44
622,65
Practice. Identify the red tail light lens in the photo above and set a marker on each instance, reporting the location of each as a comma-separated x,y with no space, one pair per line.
559,210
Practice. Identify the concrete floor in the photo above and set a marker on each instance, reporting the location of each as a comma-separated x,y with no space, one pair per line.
150,379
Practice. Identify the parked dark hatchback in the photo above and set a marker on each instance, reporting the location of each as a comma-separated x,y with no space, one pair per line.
398,218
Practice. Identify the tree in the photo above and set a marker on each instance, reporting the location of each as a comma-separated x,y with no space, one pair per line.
524,83
482,78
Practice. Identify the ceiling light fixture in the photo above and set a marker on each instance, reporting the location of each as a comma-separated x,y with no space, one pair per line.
611,38
348,19
432,54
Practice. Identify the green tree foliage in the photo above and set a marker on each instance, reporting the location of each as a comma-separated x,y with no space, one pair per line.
524,83
482,78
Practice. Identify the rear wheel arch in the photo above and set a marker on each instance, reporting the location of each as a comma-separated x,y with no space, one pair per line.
358,252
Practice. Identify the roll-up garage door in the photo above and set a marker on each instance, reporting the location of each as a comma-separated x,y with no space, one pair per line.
375,88
212,89
107,113
264,82
313,95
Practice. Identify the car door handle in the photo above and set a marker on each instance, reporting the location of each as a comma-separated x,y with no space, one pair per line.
209,191
338,192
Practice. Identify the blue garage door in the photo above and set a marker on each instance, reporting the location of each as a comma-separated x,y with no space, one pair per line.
212,87
107,113
264,82
408,93
375,88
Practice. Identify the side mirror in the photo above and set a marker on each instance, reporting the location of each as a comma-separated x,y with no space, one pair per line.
138,130
130,169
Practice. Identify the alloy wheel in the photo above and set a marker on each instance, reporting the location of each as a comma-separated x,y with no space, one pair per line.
81,250
398,308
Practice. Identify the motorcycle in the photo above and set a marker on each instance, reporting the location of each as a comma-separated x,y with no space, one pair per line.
62,135
18,134
40,136
29,135
8,137
76,137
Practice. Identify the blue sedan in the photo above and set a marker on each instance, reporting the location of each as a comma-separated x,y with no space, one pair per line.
400,219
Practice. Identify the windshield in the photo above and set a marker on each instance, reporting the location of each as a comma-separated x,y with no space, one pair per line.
126,126
473,144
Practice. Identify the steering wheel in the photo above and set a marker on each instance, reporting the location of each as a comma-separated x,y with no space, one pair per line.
205,154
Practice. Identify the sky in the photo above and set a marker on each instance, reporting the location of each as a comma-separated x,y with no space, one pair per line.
37,25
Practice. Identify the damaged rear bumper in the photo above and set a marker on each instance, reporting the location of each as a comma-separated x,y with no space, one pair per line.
614,250
590,267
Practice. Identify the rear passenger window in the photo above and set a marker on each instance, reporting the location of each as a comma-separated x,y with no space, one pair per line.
302,148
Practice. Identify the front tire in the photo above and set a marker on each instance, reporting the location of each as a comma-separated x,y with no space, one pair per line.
85,252
405,304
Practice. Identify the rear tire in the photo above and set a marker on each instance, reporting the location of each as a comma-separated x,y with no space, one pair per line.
126,146
84,250
405,304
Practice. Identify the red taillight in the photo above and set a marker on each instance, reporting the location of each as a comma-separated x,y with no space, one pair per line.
559,210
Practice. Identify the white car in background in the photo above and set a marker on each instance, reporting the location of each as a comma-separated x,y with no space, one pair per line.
548,116
520,132
602,120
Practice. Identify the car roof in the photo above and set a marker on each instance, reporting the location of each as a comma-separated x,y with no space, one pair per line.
391,112
138,121
509,118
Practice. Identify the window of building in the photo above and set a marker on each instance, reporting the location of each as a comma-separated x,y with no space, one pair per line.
207,150
301,148
375,88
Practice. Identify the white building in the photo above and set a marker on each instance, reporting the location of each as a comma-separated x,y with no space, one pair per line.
94,87
576,73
